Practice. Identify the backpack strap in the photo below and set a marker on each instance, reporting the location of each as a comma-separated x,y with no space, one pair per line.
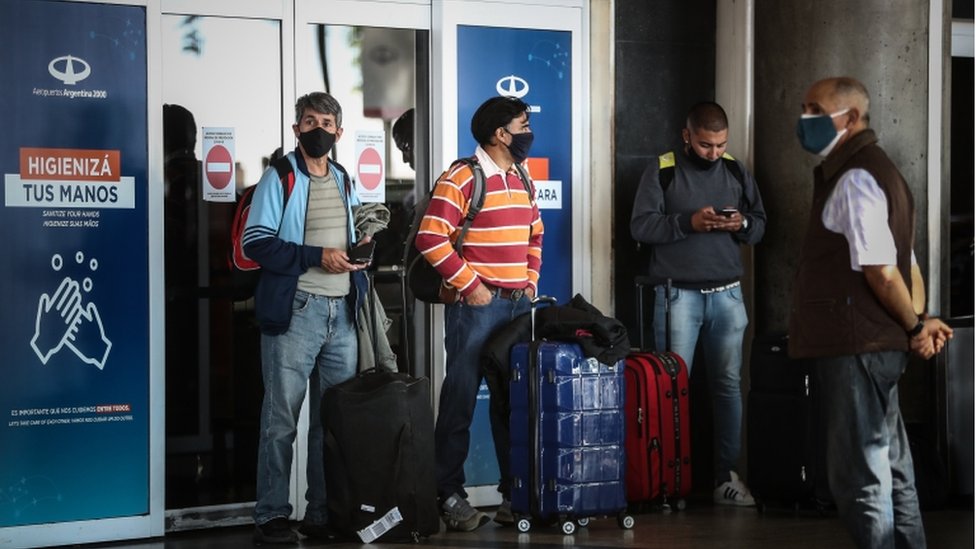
346,180
524,176
666,165
477,197
286,174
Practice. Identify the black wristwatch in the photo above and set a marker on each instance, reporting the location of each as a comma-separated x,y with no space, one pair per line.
917,329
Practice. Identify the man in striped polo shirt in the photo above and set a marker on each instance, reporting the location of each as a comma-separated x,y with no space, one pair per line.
486,285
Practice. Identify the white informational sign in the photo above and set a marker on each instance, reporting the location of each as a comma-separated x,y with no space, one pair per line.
219,179
369,169
549,194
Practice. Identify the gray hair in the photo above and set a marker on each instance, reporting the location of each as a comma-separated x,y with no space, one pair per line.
318,102
852,93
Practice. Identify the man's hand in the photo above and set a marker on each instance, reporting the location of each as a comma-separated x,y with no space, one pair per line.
336,261
707,219
930,341
480,296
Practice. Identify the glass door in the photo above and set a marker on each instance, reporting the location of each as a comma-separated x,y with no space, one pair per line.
230,75
222,119
372,56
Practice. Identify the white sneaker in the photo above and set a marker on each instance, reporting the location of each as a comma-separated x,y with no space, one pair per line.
733,492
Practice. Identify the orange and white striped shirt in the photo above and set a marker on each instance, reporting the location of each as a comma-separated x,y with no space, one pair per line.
503,246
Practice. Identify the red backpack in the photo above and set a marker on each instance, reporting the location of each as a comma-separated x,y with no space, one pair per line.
238,260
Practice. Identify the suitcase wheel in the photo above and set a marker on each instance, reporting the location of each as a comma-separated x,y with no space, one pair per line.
625,521
523,525
583,522
568,527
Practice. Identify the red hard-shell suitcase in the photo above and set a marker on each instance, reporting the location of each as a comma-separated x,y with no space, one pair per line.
658,431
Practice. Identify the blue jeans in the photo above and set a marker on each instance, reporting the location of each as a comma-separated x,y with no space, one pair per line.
466,329
720,319
319,350
869,464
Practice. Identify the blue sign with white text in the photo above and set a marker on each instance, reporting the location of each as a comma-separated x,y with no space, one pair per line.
74,328
535,66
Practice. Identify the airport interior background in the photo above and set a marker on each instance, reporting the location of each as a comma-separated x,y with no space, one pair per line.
221,72
213,392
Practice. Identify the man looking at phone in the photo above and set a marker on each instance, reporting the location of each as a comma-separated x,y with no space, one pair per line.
304,303
695,208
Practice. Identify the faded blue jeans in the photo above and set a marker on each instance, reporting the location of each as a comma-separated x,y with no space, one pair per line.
466,329
869,464
719,318
319,350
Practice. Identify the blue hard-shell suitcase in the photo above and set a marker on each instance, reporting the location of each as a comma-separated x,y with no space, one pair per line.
567,436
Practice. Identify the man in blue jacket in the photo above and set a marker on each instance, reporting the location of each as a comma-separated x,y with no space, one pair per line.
304,303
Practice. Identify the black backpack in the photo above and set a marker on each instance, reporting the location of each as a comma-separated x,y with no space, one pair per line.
422,278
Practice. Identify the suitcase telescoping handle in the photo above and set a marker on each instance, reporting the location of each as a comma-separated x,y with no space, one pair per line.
640,282
535,302
535,408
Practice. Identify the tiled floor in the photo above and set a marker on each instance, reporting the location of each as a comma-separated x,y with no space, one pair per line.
701,525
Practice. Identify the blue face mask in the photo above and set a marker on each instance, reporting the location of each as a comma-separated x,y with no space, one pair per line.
817,133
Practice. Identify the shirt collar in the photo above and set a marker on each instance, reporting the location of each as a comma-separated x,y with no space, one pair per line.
836,161
487,164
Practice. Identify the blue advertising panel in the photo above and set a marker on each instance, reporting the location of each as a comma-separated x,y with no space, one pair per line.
535,66
74,438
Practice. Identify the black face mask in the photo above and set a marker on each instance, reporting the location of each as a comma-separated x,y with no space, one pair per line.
520,146
699,162
317,143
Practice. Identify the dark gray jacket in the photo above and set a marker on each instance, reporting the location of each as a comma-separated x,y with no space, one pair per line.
662,218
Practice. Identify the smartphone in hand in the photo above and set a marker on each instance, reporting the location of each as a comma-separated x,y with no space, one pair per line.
727,212
362,253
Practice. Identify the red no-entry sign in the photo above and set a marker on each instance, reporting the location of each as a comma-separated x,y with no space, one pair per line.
219,166
370,168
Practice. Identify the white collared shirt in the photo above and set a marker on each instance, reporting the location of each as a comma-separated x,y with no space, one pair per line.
858,209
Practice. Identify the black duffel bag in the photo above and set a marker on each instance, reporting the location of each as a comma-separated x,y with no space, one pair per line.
379,457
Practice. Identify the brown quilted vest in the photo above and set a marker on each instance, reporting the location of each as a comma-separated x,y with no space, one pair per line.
835,313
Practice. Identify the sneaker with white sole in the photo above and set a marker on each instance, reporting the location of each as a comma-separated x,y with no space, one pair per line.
459,516
503,515
733,492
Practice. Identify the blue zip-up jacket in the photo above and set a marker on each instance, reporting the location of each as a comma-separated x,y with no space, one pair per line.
275,239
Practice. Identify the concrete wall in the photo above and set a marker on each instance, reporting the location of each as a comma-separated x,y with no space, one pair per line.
883,43
665,63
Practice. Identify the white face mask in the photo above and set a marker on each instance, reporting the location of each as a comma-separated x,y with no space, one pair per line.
814,131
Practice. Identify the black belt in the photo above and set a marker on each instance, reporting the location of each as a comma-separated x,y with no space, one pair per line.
514,294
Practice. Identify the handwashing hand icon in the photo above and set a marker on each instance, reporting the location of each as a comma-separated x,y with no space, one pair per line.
63,320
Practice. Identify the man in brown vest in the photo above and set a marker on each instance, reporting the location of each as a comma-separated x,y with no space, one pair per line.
858,308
